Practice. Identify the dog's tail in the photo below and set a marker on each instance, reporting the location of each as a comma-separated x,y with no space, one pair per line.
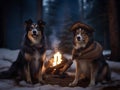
13,70
10,73
5,75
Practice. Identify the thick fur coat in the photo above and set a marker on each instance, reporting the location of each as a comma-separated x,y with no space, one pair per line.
87,54
29,65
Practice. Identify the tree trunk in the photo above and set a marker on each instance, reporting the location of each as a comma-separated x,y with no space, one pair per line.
114,30
81,3
39,9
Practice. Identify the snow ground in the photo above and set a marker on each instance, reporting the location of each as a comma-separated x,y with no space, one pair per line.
8,56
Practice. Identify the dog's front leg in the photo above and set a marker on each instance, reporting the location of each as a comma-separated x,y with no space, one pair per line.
92,75
40,74
27,73
77,74
43,66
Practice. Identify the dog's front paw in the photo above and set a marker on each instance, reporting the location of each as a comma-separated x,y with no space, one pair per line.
42,82
91,84
29,81
73,84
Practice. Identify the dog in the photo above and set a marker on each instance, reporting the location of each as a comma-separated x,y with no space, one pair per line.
88,56
30,61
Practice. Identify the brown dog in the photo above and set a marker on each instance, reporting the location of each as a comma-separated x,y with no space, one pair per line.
88,56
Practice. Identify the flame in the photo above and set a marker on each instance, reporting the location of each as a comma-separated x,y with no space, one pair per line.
57,59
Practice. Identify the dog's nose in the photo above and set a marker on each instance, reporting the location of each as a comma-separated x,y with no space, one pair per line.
78,38
34,32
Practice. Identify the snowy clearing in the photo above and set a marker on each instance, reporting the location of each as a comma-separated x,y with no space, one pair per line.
8,56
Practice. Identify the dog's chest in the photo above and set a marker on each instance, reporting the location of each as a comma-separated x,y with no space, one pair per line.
35,55
83,66
36,59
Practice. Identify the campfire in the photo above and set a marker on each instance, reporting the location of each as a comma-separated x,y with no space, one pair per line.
58,64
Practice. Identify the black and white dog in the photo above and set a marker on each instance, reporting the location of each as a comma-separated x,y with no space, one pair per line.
30,61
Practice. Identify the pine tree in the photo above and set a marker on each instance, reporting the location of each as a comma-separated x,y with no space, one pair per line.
66,36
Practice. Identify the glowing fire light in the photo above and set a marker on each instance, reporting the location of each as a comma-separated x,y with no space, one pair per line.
57,59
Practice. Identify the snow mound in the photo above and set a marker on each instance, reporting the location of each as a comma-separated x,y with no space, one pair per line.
9,55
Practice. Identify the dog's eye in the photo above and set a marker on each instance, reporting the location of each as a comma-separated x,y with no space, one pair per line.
76,32
84,34
31,27
38,28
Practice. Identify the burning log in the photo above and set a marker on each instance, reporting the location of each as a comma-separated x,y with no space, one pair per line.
58,64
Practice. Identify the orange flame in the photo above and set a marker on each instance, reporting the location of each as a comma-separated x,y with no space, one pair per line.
57,58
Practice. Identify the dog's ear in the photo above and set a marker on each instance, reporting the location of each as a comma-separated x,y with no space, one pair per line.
41,23
28,22
78,25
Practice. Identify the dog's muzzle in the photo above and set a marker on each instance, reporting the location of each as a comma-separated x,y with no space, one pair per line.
78,38
34,33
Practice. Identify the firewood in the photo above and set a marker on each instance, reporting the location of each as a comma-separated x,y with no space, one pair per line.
58,69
